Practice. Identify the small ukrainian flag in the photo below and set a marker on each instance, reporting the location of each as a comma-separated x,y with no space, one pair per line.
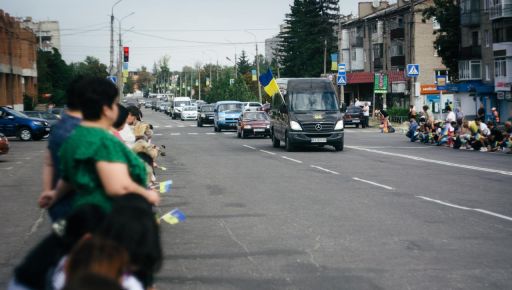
269,83
173,217
165,186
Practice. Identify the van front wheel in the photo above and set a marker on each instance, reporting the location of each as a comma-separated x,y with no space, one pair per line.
289,147
275,142
339,146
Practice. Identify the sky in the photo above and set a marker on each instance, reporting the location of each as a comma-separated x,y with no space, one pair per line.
190,32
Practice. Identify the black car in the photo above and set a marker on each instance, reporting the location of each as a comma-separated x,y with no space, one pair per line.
353,116
205,115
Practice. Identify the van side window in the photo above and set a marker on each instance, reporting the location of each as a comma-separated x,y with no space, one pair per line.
277,101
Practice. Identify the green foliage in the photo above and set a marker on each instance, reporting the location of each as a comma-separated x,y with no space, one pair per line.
310,25
128,86
243,64
396,111
90,67
53,75
222,90
447,13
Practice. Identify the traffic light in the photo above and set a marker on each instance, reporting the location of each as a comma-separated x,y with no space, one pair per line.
126,53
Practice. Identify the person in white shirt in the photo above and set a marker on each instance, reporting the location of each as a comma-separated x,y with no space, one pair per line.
366,114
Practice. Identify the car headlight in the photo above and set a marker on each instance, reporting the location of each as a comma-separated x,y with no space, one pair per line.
268,126
295,126
247,127
339,125
222,118
203,116
38,123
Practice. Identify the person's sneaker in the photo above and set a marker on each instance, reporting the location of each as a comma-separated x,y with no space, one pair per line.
483,149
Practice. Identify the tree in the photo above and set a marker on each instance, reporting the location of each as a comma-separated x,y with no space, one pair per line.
90,67
53,75
447,14
309,30
144,80
243,64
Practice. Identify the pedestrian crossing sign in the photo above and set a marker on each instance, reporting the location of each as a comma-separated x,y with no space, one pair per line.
413,70
342,79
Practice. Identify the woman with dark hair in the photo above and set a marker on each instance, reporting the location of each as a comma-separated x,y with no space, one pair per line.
120,123
94,162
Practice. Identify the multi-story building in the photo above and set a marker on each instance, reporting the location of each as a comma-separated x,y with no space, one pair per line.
383,40
47,32
18,65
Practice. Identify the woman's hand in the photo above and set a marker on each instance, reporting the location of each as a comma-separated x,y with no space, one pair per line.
47,198
152,196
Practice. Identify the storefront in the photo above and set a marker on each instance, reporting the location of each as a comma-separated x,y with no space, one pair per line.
471,94
436,100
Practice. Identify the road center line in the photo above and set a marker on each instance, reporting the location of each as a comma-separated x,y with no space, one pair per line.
466,208
323,169
373,183
268,152
291,159
7,168
434,161
175,134
158,134
250,147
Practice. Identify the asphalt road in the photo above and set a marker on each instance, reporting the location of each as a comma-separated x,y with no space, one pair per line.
383,214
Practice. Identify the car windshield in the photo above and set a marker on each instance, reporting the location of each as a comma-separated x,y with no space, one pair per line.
255,116
16,113
227,108
189,109
206,108
181,103
354,110
313,101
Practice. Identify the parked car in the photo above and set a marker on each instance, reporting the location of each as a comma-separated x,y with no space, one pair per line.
205,115
50,117
253,124
14,123
189,113
353,116
4,144
147,105
252,106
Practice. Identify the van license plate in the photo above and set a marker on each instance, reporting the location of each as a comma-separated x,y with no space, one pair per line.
318,140
259,130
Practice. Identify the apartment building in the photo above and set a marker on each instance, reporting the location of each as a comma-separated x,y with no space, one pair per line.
18,65
47,33
381,41
485,59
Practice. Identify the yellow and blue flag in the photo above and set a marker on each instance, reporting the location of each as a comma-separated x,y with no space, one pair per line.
173,217
165,186
334,61
269,83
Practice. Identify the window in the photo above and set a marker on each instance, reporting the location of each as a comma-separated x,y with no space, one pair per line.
400,22
487,73
475,38
354,55
397,48
487,38
500,67
377,50
470,70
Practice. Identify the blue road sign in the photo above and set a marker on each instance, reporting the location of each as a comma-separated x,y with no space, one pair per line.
342,74
413,70
112,79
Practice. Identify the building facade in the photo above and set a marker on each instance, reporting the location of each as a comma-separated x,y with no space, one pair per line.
379,44
18,62
47,33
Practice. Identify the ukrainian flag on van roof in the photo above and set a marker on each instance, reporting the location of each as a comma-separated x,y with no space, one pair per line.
269,83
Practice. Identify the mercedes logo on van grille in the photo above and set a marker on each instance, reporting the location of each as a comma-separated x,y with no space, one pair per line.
318,127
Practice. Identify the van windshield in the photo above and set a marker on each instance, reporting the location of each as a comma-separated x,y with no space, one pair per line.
235,107
181,103
313,101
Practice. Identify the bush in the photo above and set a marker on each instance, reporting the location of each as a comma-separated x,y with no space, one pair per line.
398,111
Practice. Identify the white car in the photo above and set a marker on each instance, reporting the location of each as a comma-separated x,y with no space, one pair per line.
252,106
189,113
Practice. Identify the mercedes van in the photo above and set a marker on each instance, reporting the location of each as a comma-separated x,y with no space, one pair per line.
306,112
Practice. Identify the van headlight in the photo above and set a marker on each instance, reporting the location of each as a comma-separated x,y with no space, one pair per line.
295,126
222,118
339,125
203,116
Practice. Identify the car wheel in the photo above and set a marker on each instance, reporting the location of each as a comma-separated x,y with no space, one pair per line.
288,144
199,124
24,134
275,142
339,146
238,134
242,134
357,126
219,129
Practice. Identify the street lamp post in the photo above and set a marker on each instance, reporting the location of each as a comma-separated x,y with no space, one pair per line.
257,64
111,66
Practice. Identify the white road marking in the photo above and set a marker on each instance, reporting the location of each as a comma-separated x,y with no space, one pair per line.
466,208
175,134
192,133
168,126
268,152
434,161
291,159
394,147
158,134
6,168
191,125
156,126
250,147
373,183
228,133
326,170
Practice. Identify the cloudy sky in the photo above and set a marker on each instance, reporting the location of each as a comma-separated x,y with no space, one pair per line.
188,31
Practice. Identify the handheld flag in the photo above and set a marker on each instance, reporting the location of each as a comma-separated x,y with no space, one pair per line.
165,186
173,217
269,83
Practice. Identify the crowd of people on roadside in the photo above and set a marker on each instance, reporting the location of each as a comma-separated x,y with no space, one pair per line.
459,133
98,190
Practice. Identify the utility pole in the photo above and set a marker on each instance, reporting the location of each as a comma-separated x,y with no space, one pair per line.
120,65
325,56
111,66
258,72
199,80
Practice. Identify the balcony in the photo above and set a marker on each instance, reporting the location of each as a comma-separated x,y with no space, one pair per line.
398,61
470,18
501,9
356,41
397,33
471,52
